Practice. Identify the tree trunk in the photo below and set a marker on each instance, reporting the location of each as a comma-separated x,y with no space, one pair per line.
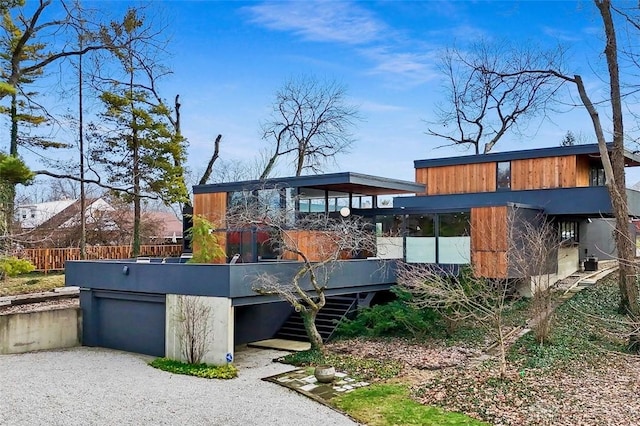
617,188
309,319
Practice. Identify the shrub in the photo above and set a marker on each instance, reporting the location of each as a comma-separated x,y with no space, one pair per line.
206,371
12,266
396,318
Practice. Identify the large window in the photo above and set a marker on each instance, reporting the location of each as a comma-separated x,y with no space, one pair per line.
454,224
596,176
503,175
420,225
568,232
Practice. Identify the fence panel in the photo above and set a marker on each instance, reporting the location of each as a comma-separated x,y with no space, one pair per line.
53,259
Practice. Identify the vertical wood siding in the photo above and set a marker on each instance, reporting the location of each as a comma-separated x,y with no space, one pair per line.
213,206
460,179
422,177
53,259
316,245
543,173
582,171
489,241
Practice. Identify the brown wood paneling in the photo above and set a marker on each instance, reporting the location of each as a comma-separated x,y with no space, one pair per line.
213,207
316,245
543,173
583,167
461,179
489,264
489,241
422,177
489,228
53,259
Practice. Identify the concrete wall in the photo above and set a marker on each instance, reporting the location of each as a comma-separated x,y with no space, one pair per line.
218,323
34,331
568,261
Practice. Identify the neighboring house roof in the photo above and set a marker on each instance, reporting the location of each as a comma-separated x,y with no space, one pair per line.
64,213
347,182
33,215
589,149
169,226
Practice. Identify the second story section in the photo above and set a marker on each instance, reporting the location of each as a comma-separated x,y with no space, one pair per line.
256,219
533,169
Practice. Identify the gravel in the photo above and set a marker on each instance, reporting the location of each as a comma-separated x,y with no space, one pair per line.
94,386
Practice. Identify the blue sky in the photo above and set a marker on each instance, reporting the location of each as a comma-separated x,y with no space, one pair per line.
229,59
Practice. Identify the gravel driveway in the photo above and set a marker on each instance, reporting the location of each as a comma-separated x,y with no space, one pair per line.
93,386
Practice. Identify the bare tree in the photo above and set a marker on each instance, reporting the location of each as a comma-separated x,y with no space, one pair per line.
532,253
311,121
482,107
460,297
316,240
466,296
193,330
613,163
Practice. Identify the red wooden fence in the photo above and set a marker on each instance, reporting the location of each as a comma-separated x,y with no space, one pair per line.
52,259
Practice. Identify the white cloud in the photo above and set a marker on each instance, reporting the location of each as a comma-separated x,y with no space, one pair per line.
413,68
320,21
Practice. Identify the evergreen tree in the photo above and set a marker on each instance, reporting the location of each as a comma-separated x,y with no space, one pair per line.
136,143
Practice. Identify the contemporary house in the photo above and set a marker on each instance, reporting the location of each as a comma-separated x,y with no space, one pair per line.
458,215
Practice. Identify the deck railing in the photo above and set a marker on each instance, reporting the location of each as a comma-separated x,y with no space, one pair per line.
53,259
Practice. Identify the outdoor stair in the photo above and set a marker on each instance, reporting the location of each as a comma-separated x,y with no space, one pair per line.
335,309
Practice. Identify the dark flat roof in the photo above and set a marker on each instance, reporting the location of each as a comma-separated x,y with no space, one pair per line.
347,182
590,201
590,149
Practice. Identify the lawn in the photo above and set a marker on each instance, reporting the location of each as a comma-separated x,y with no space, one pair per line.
31,283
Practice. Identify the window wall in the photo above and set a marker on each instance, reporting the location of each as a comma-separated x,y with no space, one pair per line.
425,238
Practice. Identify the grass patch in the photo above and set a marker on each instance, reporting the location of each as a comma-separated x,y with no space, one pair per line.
584,329
358,368
205,371
390,404
31,283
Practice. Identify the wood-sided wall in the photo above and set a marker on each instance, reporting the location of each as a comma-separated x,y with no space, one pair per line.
550,172
213,207
460,179
316,245
567,171
489,244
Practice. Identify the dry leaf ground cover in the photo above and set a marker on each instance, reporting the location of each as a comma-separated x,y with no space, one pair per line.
583,377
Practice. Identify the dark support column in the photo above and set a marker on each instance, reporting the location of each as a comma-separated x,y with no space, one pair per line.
89,317
436,231
187,224
326,201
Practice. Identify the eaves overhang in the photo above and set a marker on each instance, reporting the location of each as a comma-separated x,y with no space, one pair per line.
631,158
588,201
344,182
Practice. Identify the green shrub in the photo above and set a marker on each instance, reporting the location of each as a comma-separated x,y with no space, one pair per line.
396,318
12,266
206,371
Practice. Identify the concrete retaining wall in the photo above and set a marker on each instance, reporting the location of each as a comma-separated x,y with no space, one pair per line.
34,331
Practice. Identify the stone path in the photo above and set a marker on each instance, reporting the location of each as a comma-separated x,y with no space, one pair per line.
303,381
